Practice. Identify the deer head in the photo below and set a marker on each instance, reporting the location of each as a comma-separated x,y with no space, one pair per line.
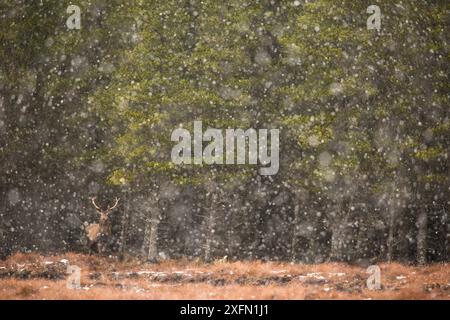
98,232
104,213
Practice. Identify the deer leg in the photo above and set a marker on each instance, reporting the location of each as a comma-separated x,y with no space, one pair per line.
102,247
92,247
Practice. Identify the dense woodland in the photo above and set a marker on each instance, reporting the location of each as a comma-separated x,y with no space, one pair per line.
363,116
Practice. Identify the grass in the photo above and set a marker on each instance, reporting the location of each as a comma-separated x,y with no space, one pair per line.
33,276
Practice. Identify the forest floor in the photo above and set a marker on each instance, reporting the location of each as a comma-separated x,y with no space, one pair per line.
32,276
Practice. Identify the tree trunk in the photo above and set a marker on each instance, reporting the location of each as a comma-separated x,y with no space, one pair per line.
339,231
294,245
150,245
210,225
447,237
390,239
153,241
422,237
124,224
208,244
192,34
336,242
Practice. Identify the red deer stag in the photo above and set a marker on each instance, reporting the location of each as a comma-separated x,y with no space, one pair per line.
98,233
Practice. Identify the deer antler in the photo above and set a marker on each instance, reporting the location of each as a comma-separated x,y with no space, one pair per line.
107,211
115,205
95,205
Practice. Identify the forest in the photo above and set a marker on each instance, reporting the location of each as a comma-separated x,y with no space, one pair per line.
90,95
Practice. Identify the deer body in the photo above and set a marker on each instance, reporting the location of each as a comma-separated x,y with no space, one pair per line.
98,233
